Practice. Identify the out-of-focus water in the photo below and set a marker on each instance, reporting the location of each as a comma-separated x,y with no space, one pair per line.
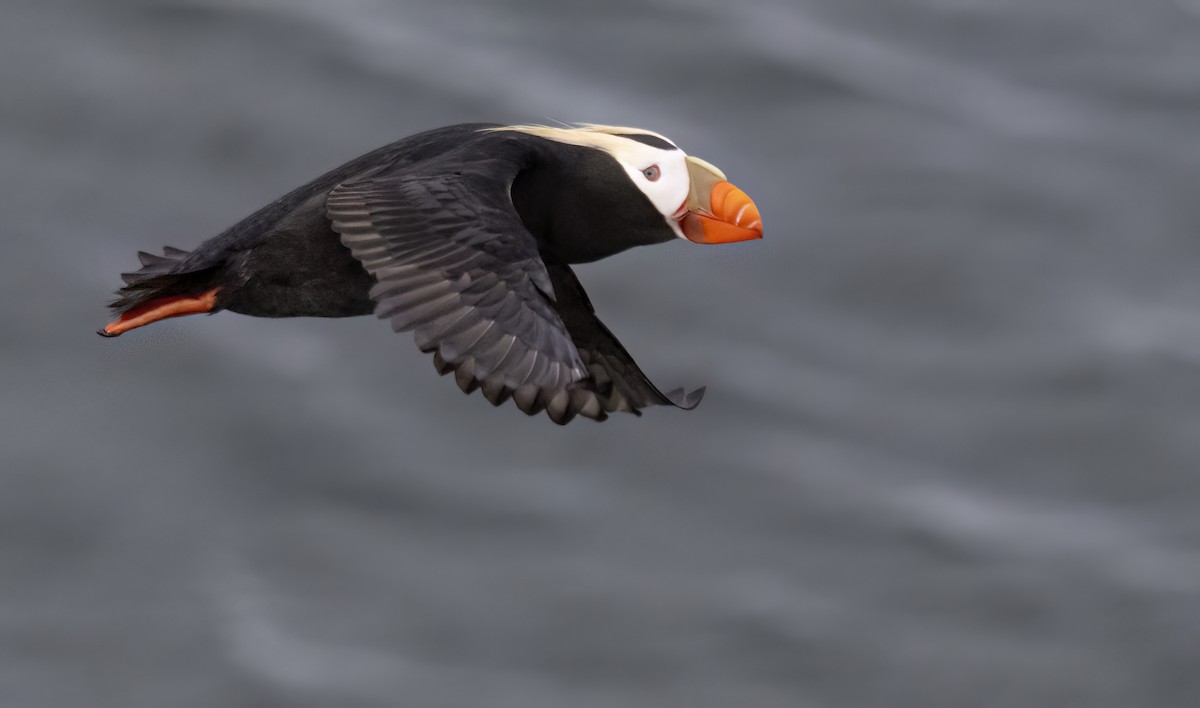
949,451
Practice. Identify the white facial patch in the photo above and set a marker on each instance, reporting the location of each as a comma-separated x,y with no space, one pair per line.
667,193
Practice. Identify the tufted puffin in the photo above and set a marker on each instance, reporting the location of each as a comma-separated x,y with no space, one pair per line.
465,235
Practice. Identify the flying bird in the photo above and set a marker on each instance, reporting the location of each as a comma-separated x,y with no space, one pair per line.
465,236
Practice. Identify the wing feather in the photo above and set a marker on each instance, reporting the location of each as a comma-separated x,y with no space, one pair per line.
456,266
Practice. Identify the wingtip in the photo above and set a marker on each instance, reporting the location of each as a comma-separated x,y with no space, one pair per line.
684,400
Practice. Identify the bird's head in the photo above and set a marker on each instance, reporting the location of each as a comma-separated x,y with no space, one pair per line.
687,197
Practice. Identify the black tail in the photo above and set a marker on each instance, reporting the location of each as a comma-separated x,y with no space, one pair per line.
161,276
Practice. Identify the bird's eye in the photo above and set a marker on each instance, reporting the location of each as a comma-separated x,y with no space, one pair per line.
652,173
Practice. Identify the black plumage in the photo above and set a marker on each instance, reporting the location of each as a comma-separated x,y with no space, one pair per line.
460,235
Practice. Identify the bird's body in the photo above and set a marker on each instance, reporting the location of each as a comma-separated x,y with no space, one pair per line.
463,234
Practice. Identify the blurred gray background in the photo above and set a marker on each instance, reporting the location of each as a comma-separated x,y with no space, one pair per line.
949,451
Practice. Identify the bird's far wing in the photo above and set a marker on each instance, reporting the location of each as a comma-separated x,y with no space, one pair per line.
616,383
455,264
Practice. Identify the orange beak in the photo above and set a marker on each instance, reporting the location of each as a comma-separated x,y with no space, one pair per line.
717,211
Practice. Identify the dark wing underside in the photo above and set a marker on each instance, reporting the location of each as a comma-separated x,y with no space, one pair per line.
615,380
456,265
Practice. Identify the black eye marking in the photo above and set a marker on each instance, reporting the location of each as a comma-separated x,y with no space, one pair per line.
652,173
651,140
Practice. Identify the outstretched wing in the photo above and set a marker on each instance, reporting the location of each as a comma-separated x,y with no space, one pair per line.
455,264
615,382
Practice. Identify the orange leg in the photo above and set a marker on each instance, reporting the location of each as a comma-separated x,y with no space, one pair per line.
160,309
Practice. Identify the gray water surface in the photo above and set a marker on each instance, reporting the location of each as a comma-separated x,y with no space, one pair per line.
948,456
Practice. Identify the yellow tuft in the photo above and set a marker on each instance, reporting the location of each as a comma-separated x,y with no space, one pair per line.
580,134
